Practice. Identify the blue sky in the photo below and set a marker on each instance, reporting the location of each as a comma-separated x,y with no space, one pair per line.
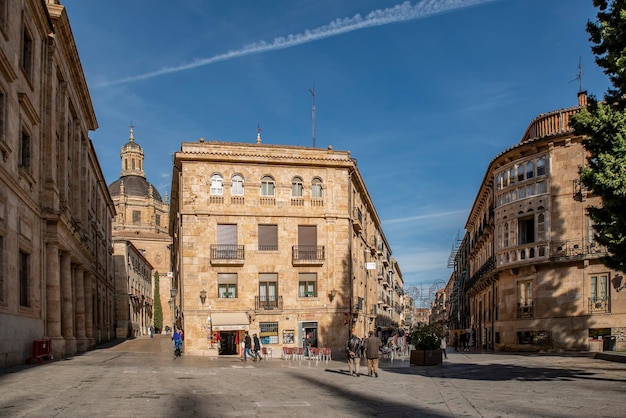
423,94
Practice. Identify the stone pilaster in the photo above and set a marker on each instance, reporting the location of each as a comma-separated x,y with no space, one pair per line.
67,303
88,283
79,312
53,291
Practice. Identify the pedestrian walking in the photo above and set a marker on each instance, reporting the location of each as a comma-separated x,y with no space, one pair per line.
307,345
455,341
444,345
353,348
257,348
247,347
372,352
177,337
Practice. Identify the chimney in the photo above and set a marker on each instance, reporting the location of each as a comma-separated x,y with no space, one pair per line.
582,98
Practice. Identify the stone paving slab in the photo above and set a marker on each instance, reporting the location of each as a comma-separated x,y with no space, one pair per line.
141,378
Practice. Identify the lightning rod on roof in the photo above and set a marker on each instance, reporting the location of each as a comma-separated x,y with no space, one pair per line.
312,91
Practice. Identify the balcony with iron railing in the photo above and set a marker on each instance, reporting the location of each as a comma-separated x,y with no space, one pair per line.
264,304
525,310
227,254
599,305
308,255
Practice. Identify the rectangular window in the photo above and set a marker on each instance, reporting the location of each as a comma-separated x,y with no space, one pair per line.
24,278
268,287
25,150
541,166
268,237
541,187
526,230
227,285
27,53
525,293
136,217
157,219
268,332
307,242
599,287
307,285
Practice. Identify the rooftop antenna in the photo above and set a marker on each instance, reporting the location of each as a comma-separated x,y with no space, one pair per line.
312,91
579,76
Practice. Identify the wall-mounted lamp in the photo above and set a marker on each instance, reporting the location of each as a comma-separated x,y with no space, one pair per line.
332,294
618,282
203,296
173,293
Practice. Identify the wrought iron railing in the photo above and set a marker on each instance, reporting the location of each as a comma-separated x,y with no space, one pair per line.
308,253
227,252
268,303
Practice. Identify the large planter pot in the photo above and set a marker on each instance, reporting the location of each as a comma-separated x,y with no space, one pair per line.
426,357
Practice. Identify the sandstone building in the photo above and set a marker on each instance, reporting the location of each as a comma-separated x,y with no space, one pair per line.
283,241
56,267
133,290
142,219
528,274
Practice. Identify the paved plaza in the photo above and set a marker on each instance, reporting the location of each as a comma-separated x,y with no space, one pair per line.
140,378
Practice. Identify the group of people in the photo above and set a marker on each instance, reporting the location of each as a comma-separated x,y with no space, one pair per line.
251,347
369,348
465,341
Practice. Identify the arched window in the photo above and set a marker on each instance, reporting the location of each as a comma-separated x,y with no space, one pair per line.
216,185
316,188
296,187
236,188
267,186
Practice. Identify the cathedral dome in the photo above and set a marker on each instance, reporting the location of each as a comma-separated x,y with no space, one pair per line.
134,186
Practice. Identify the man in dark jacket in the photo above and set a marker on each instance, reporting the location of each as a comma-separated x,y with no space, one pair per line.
353,348
372,352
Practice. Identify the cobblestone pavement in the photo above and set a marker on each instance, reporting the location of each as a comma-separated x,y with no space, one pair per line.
140,378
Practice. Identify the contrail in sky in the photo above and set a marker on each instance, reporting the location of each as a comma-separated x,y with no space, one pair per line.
400,13
423,217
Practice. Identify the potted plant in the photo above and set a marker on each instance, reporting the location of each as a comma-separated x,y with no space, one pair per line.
426,340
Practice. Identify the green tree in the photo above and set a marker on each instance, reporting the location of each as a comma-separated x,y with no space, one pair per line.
158,309
604,126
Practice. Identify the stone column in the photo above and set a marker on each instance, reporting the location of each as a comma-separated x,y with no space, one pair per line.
79,291
88,277
67,303
53,292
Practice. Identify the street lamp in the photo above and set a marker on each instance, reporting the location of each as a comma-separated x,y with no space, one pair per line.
203,296
173,295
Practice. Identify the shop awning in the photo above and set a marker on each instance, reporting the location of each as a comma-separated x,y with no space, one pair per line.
230,321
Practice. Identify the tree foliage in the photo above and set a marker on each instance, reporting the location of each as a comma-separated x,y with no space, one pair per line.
604,126
427,336
158,309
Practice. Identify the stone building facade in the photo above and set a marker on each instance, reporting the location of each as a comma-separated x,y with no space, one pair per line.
529,267
143,219
282,241
56,267
133,290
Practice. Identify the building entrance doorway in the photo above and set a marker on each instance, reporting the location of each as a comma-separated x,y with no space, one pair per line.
228,342
310,329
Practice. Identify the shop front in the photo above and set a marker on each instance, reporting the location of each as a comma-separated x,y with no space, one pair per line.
227,330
